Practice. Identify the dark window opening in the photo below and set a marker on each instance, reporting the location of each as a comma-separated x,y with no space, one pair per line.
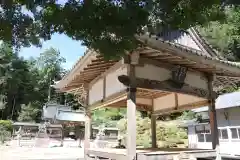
234,133
224,134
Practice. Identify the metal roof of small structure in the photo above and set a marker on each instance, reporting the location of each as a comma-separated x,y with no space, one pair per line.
70,116
188,123
26,124
33,124
201,109
228,100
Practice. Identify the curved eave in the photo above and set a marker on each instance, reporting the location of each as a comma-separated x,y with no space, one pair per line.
182,55
203,43
79,65
93,65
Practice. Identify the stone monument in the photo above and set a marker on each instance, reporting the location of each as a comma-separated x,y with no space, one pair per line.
42,138
19,136
100,142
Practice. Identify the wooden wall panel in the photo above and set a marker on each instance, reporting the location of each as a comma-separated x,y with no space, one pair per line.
156,77
112,83
96,92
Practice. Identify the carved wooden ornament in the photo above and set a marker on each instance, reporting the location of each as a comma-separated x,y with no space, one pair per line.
178,76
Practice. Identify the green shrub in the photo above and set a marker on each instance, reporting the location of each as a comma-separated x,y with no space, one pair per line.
143,140
182,134
169,135
171,131
160,132
7,124
175,140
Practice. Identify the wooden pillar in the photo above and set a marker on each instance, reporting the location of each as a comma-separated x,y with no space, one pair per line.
88,126
212,115
131,124
131,112
153,131
87,136
104,87
62,134
213,124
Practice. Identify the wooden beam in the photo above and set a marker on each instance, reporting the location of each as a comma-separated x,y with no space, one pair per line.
98,60
80,80
114,98
87,74
102,62
106,64
213,116
166,86
84,77
140,107
99,56
181,108
144,60
94,69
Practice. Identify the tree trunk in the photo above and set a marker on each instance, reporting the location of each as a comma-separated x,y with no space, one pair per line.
13,107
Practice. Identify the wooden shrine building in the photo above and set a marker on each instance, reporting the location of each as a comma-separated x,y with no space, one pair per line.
173,71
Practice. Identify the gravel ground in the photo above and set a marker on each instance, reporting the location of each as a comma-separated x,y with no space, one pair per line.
35,153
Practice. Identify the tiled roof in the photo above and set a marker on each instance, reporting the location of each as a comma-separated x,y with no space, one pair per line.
191,41
195,51
190,38
204,43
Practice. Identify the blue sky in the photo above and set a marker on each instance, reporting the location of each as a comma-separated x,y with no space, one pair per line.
70,49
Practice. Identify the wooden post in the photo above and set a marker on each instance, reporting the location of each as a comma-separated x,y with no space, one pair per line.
88,126
212,115
62,134
153,131
131,124
104,87
131,110
87,136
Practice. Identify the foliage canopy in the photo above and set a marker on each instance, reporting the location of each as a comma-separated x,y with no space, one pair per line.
224,36
108,26
25,84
